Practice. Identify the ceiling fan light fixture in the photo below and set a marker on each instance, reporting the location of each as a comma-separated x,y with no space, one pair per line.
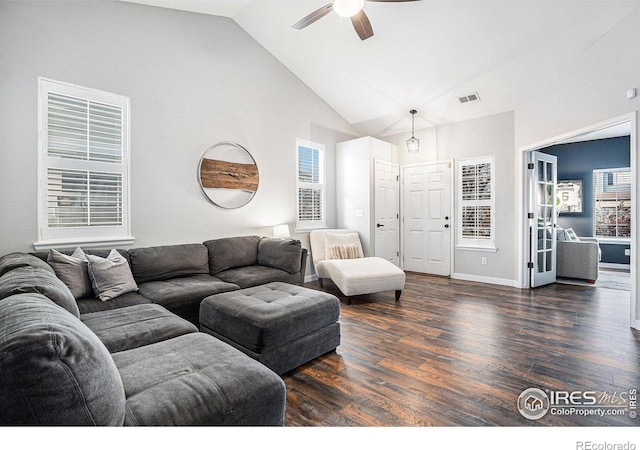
347,8
413,143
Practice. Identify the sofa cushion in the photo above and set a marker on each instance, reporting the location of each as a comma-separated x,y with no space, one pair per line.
183,295
73,270
196,379
255,275
93,304
32,279
110,276
169,261
134,326
227,253
281,254
14,260
55,371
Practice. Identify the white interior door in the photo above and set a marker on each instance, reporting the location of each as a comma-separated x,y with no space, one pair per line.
387,211
542,169
426,213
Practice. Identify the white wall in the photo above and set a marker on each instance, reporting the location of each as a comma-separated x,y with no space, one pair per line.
588,90
193,80
491,135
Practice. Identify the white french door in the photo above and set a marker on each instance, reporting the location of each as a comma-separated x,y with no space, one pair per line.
542,170
386,213
426,214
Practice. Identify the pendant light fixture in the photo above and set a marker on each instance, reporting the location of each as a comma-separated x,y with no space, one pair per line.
413,143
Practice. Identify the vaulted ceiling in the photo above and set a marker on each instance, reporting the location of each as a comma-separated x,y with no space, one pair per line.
424,54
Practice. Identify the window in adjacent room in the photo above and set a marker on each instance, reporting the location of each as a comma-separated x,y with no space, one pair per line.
83,166
476,203
311,195
612,203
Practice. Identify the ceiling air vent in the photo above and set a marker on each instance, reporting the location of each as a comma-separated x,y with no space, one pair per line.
469,98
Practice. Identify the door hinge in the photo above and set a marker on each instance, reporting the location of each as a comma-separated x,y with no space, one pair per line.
530,216
531,166
397,177
530,265
398,254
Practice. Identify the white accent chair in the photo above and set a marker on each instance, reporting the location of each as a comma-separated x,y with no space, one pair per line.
357,274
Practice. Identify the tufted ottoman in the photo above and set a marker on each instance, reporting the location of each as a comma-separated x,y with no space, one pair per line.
278,324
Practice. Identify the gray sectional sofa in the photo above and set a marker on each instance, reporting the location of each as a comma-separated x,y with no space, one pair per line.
137,358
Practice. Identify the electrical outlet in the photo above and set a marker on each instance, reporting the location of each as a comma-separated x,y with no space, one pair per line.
627,252
484,261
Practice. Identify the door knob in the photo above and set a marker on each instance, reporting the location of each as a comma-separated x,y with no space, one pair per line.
446,225
379,225
446,217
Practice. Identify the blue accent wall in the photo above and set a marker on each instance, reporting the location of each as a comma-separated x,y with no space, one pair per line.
578,160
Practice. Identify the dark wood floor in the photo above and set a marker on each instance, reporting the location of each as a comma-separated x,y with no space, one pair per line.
456,353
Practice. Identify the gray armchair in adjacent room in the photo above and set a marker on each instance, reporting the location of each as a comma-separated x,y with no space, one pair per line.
577,257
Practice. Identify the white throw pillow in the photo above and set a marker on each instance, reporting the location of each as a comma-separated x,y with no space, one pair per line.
572,236
342,246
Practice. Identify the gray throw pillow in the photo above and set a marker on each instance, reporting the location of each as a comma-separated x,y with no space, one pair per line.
73,271
110,276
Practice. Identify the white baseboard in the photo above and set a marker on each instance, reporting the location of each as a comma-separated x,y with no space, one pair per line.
615,266
310,278
488,280
637,326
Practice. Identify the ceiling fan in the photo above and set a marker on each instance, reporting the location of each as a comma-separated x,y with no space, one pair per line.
347,9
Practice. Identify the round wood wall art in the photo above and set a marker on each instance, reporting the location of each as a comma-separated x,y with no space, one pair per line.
228,175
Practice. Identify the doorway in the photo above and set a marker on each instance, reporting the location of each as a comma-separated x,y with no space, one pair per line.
628,122
386,211
427,218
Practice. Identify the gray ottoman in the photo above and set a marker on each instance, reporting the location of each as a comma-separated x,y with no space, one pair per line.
278,324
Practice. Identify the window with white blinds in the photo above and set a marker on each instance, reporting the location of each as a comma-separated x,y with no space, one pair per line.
311,185
612,203
476,202
83,166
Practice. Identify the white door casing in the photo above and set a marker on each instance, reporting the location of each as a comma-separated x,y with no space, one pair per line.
386,211
427,219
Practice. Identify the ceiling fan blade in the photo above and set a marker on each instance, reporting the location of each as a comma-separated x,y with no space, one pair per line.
362,25
316,15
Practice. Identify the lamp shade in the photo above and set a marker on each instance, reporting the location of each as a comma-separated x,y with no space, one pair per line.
281,231
413,145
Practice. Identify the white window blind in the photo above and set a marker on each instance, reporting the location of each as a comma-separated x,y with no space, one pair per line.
612,203
476,202
311,185
83,165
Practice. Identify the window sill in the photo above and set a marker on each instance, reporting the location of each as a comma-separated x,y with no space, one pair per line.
475,248
69,243
613,241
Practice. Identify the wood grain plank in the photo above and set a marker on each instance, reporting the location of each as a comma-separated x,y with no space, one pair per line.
453,353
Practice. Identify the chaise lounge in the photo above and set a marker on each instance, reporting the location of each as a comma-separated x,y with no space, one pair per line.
337,255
